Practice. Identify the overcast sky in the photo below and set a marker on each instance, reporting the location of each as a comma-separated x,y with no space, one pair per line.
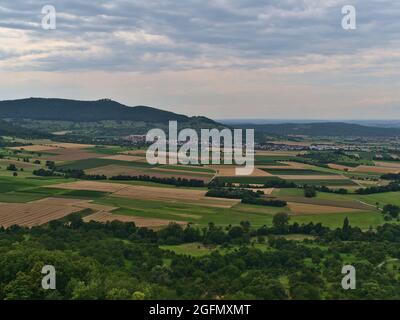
222,58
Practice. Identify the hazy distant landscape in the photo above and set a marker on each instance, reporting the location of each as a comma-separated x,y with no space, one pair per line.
373,123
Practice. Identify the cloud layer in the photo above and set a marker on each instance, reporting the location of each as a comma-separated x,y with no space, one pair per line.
296,45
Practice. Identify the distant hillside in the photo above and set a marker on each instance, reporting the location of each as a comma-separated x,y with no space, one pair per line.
85,111
9,129
328,129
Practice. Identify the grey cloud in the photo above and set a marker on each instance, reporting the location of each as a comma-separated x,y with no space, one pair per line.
245,31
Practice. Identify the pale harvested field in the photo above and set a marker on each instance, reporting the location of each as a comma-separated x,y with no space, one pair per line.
288,165
141,153
96,207
60,201
124,157
115,170
388,164
32,214
311,177
303,208
43,211
173,194
376,169
90,186
139,221
71,155
230,171
179,195
339,167
34,148
78,203
52,146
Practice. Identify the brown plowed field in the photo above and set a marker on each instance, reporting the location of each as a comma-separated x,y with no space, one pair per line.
303,208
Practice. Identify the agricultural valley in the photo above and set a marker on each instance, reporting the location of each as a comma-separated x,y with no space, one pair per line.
313,203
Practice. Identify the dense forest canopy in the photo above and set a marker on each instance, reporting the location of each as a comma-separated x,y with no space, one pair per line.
120,261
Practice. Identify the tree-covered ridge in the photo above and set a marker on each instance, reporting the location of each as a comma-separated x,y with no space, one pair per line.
120,261
81,111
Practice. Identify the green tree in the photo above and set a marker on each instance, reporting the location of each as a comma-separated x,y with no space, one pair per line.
281,221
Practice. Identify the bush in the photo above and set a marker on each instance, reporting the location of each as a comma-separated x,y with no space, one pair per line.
12,167
310,192
265,202
232,193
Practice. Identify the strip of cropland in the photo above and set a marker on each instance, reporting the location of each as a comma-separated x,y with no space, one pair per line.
149,193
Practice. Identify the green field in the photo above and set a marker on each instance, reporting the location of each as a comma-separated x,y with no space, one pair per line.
198,250
95,163
25,189
320,182
300,172
188,168
113,150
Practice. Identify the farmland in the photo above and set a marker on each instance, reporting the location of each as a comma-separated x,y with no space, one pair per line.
153,204
324,206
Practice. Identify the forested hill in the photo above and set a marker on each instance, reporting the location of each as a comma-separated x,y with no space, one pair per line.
9,129
85,111
332,129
